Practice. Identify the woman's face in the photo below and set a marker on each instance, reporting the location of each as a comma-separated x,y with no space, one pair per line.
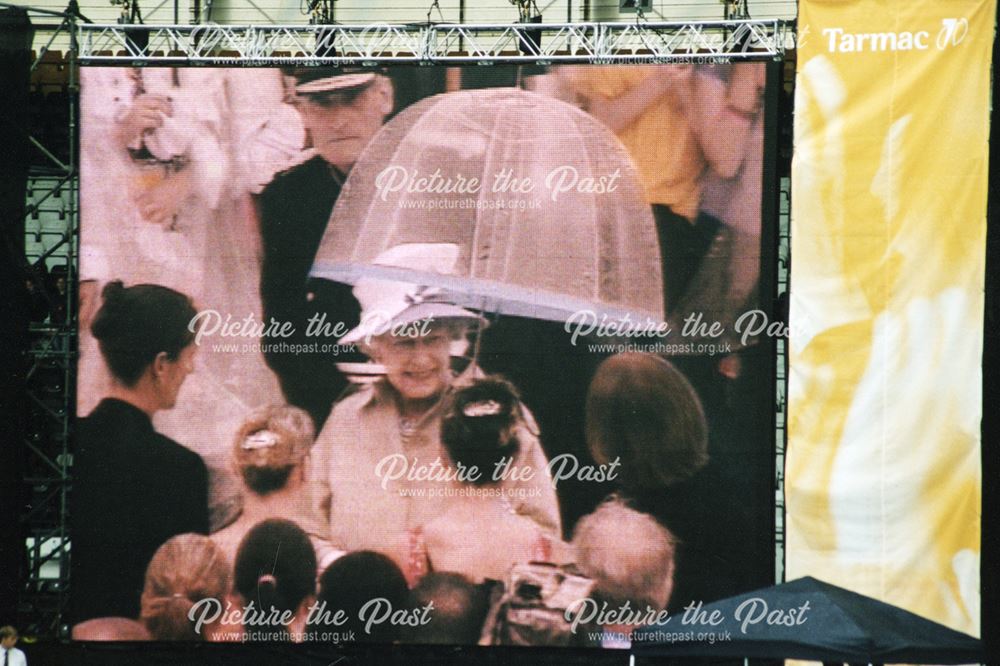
417,367
172,375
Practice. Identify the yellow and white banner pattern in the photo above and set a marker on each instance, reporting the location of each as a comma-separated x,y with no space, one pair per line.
888,252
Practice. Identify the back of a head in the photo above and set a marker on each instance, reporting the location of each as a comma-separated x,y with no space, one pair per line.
458,612
184,570
135,324
111,629
271,443
358,579
275,569
477,429
642,410
628,554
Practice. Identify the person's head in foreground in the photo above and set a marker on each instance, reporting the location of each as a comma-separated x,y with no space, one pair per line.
144,336
479,426
111,629
342,108
628,554
643,411
367,587
271,446
275,569
459,609
8,637
185,570
411,329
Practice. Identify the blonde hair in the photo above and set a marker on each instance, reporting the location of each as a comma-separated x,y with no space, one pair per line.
266,468
629,555
184,570
111,629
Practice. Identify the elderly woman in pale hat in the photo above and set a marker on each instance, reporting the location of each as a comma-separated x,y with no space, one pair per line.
380,471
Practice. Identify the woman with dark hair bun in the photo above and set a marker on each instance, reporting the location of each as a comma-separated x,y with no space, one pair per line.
133,488
275,570
480,430
135,327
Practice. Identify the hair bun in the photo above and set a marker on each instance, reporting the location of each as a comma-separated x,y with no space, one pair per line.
113,295
113,290
136,323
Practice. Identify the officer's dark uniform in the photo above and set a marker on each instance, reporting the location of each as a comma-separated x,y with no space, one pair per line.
293,211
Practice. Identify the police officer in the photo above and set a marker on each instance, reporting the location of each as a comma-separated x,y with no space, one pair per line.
341,109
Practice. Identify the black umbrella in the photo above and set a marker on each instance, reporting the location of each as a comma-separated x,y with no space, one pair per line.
808,619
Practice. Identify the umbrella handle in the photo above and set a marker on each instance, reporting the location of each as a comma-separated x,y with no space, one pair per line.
480,325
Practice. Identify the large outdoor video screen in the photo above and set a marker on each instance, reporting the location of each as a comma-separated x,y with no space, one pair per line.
472,355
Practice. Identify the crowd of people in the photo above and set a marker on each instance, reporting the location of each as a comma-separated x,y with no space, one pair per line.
322,510
411,503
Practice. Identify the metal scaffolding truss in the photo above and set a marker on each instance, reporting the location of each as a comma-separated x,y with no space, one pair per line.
781,378
52,372
433,43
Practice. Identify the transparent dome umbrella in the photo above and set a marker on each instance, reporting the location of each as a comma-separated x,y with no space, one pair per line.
541,198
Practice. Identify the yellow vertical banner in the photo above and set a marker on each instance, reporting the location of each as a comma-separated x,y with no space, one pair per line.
889,185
